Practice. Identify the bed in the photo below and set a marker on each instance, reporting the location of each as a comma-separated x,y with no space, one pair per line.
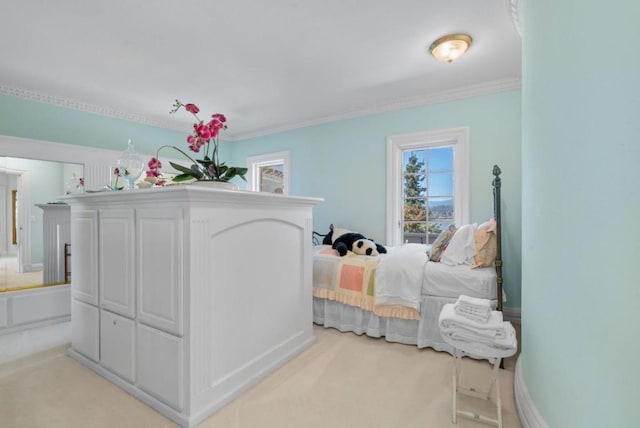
348,292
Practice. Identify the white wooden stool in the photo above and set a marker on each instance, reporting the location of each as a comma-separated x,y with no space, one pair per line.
460,349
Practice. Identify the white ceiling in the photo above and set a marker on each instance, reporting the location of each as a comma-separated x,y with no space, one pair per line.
267,65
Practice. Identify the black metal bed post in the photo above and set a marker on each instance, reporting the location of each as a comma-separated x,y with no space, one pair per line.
497,183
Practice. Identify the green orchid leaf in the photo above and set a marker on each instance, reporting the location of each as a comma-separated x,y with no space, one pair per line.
181,168
205,162
182,177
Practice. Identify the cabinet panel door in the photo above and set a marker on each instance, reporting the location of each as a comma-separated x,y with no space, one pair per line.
159,365
159,257
84,329
117,276
84,255
117,344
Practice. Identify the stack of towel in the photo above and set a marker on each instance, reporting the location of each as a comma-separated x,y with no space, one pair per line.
478,310
472,324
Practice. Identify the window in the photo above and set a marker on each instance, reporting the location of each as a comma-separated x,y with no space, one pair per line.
427,184
269,172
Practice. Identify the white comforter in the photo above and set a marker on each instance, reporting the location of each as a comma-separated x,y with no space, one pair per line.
399,276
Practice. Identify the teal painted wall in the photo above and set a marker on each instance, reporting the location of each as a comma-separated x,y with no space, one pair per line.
345,163
40,121
581,205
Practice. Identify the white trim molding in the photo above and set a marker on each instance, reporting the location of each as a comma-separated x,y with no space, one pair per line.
529,415
471,91
513,8
85,107
396,144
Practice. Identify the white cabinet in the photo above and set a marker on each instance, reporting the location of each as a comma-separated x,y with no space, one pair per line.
84,244
116,259
170,302
159,243
55,234
117,344
160,365
84,329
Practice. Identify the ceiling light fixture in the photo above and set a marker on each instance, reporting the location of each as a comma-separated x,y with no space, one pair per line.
451,47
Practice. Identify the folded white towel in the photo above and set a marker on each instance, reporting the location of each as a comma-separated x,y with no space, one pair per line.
480,350
449,319
504,340
493,338
475,309
474,302
474,315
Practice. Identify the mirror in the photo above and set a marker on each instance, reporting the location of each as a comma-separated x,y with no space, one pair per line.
34,225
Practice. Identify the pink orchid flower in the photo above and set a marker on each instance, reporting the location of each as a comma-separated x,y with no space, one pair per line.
191,108
154,163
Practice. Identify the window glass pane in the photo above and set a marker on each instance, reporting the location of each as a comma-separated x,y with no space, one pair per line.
415,185
414,161
441,159
441,184
415,210
427,185
441,209
415,233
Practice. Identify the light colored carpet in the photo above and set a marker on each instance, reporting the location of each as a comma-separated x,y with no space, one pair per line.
343,380
10,278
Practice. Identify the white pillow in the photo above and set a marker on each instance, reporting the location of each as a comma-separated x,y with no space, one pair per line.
462,247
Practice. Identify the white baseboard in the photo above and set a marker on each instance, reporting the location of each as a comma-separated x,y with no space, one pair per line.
530,417
512,314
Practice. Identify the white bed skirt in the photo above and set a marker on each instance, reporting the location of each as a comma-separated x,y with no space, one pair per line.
424,332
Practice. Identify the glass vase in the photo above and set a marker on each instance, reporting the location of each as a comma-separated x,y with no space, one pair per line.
130,165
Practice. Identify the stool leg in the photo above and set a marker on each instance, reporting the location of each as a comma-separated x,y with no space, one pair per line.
454,407
498,403
494,376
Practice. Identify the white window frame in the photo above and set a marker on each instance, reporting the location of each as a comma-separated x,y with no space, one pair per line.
458,138
254,163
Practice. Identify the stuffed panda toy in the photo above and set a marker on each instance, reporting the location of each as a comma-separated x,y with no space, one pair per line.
343,240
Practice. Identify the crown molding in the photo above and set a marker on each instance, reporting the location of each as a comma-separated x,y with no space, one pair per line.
81,106
398,104
513,8
437,98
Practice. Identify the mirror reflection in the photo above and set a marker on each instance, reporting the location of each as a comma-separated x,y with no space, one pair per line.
34,224
272,178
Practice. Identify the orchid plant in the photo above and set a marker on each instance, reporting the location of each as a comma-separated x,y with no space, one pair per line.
205,138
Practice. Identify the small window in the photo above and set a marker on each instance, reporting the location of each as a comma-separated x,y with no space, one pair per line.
269,172
427,184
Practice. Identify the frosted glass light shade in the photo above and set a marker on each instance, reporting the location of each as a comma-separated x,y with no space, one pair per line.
451,47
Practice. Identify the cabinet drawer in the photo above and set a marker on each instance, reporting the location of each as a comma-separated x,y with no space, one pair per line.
84,329
117,345
159,365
